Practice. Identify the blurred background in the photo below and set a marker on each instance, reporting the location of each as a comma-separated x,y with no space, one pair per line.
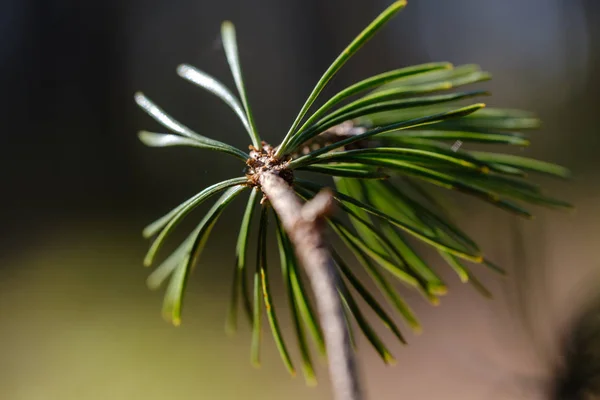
76,319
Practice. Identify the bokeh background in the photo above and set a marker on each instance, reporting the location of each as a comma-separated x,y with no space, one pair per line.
76,319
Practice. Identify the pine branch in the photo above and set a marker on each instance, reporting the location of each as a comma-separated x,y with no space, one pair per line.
400,123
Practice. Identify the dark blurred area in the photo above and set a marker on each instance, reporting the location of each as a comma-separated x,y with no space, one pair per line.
76,320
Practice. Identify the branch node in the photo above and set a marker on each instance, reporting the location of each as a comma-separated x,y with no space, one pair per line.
264,160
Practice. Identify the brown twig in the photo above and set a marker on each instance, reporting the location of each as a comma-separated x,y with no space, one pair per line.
332,135
304,226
